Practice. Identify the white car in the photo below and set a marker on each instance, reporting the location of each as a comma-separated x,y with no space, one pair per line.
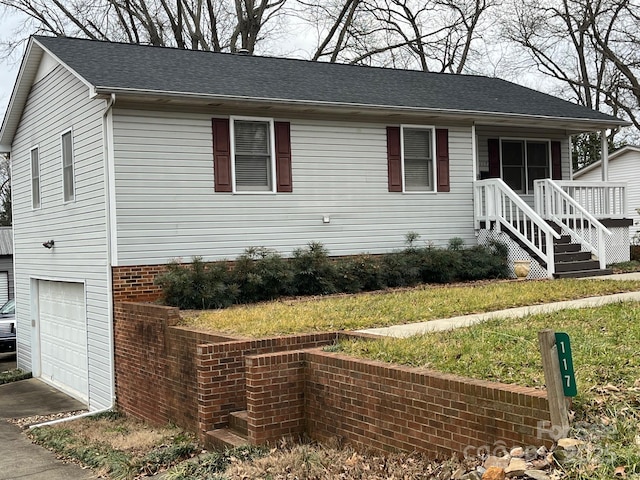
8,327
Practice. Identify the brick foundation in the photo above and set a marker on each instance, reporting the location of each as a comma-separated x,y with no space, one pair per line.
136,283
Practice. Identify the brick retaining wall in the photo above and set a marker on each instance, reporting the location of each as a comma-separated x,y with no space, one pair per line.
155,364
166,373
386,407
221,372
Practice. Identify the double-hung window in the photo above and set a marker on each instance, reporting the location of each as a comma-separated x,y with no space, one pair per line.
524,161
35,177
418,159
68,180
252,147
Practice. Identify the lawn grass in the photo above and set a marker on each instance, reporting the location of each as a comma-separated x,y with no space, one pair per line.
605,343
353,312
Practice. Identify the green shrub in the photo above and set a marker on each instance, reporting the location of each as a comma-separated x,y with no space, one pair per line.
401,269
197,285
482,262
313,272
438,265
262,274
359,273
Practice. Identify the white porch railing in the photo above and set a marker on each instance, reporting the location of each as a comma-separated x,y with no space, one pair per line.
496,203
601,199
553,203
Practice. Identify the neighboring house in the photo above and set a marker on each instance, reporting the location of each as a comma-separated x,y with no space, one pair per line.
126,157
624,166
6,264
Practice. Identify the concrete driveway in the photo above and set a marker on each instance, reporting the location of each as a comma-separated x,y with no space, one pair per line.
19,458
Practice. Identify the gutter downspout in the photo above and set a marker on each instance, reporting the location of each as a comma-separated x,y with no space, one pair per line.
106,138
68,419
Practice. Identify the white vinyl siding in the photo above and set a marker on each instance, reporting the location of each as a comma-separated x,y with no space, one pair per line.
167,207
35,178
623,168
253,154
57,103
418,159
68,179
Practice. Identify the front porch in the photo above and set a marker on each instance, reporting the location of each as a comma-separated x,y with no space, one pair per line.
573,229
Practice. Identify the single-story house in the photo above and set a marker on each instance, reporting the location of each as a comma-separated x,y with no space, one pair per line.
6,264
623,167
126,157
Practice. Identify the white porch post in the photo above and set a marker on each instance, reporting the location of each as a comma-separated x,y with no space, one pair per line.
605,155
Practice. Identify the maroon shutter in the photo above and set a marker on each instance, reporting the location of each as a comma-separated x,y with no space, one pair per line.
394,167
221,155
494,158
556,161
442,159
283,156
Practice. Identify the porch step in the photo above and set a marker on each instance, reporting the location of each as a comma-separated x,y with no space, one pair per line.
572,256
584,273
225,438
238,422
576,266
566,247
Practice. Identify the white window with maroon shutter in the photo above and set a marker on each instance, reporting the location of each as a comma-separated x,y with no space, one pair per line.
251,155
418,159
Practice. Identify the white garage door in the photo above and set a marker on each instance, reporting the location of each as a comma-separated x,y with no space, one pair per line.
63,336
4,288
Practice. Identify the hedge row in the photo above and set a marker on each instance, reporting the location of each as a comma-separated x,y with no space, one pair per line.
262,274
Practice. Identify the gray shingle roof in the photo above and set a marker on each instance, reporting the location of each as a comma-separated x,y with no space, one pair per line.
117,66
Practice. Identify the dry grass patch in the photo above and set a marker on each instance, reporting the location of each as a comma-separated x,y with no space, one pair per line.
121,433
116,446
353,312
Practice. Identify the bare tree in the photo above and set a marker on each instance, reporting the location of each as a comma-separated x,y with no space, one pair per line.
218,25
590,49
436,35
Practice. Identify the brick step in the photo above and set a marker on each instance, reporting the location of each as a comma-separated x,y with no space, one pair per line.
572,256
238,422
584,273
224,438
577,266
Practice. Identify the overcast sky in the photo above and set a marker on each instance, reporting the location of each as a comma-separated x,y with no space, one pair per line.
8,67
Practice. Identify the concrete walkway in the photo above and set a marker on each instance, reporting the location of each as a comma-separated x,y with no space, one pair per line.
19,458
408,330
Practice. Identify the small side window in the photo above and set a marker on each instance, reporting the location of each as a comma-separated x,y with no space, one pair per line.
35,178
68,180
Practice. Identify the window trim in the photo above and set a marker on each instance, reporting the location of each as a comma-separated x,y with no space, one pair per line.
272,155
73,166
525,165
432,129
37,149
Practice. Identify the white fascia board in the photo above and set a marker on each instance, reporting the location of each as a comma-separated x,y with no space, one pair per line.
581,124
18,97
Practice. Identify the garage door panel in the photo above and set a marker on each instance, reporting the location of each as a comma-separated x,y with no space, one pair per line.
63,336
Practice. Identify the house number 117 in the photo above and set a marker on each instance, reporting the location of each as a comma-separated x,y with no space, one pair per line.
563,345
